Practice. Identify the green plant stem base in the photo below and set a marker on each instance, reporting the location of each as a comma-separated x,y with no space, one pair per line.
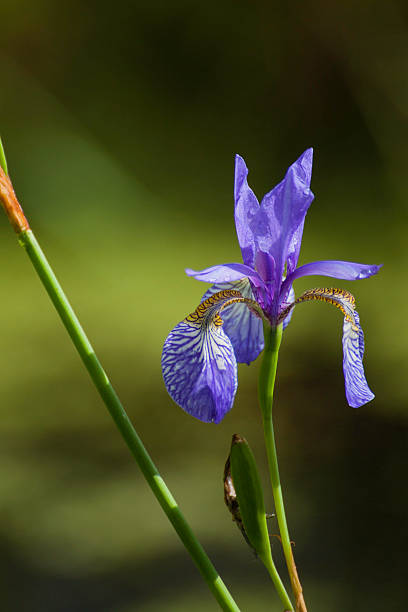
113,404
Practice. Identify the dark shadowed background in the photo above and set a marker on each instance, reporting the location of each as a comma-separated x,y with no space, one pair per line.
120,123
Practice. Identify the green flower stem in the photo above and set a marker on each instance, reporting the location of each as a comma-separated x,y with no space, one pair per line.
279,586
273,337
113,404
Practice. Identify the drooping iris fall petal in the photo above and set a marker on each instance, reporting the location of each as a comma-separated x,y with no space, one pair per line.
357,389
358,392
198,361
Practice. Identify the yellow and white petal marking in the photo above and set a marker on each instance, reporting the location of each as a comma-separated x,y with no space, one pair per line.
357,389
198,361
242,325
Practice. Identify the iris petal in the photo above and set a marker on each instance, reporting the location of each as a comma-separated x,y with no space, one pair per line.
226,273
265,265
290,300
198,361
246,207
293,249
283,213
358,392
346,270
242,326
357,389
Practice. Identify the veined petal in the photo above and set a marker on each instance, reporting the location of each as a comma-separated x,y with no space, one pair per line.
346,270
226,273
242,326
357,389
246,207
198,361
358,392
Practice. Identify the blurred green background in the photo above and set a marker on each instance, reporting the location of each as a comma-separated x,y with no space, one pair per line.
120,123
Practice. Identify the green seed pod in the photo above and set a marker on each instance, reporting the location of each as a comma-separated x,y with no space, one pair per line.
244,498
230,498
249,498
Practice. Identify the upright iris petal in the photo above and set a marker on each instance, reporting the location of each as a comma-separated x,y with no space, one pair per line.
285,208
246,209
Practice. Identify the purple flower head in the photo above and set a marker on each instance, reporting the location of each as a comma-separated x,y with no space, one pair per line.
200,355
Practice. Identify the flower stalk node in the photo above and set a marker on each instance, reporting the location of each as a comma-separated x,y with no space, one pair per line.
11,205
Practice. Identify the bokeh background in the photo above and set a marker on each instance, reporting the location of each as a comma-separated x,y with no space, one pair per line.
120,123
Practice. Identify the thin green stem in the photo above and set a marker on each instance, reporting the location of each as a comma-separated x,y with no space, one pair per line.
267,376
279,586
113,404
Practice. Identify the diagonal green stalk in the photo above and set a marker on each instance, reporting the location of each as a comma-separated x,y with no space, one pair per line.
27,239
113,404
267,376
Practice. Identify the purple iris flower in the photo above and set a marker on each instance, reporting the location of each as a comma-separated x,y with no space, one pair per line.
200,355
